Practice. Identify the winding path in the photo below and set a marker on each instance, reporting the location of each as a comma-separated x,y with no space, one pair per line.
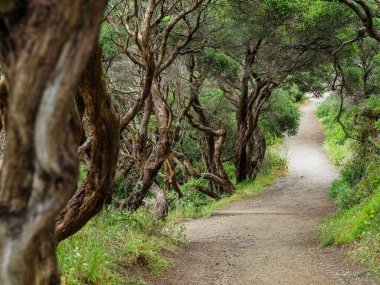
272,238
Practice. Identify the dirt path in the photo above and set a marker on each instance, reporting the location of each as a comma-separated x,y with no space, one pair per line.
271,239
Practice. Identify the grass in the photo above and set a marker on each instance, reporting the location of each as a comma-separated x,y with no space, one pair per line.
203,206
118,247
110,248
356,222
359,225
356,193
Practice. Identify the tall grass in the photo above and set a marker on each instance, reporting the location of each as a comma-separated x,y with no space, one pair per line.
112,245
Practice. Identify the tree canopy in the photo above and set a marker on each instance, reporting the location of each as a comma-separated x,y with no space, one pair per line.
154,99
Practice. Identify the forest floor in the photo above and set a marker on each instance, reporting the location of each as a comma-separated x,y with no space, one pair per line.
272,238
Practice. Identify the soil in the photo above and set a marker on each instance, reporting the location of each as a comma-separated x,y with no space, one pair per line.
272,238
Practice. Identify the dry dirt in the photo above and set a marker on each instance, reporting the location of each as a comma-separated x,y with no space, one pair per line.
272,238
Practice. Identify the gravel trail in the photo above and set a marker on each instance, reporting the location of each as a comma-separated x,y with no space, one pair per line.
272,238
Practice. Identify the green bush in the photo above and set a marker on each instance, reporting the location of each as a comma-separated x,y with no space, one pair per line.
357,191
120,186
282,115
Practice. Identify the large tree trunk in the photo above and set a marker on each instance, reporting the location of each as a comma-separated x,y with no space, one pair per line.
44,46
96,189
3,103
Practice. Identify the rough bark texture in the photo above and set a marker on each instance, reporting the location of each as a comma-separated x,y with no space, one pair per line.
161,205
44,46
214,138
159,153
259,150
96,188
250,105
364,11
3,102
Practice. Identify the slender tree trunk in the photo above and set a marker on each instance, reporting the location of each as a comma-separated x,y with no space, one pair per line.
159,153
244,150
258,153
214,138
241,159
227,185
96,189
172,176
249,107
44,46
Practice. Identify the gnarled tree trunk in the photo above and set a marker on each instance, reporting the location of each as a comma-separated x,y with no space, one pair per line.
257,153
249,109
247,132
159,153
44,46
96,189
3,102
214,138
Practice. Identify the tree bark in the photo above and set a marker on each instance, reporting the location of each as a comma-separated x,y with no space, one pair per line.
243,154
3,103
250,105
159,153
162,203
258,153
44,46
214,138
96,189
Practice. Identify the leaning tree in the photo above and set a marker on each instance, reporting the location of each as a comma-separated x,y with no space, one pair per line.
152,35
44,46
279,39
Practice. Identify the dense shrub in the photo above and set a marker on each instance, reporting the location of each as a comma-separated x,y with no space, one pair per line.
356,192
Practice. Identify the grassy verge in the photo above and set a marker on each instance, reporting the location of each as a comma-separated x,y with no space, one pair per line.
117,247
360,226
356,193
195,204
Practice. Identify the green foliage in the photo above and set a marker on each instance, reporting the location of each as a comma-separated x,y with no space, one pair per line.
120,186
195,204
280,10
112,244
356,192
295,93
322,16
336,142
353,74
108,47
354,223
361,222
222,65
282,115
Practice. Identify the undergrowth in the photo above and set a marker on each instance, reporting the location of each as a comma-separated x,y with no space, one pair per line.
195,204
118,247
112,245
356,192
